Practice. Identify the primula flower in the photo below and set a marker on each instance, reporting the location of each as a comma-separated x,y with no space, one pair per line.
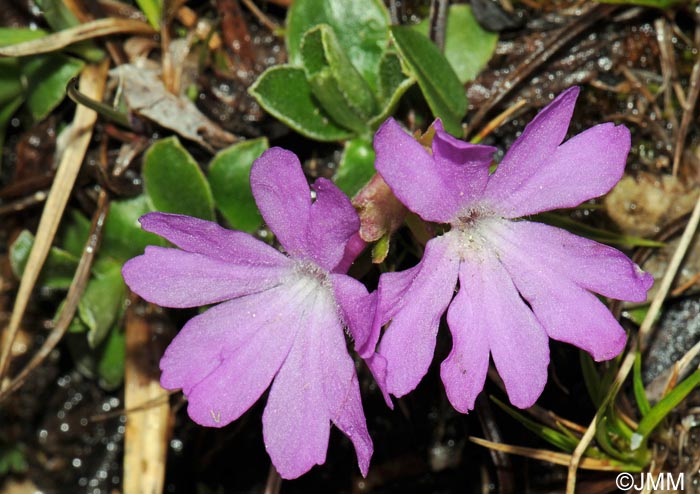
520,282
279,318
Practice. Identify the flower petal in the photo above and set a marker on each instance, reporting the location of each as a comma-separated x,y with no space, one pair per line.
435,187
411,174
518,344
283,197
591,265
533,148
176,278
296,421
332,222
225,358
586,166
409,342
208,238
566,311
464,370
358,308
463,167
340,385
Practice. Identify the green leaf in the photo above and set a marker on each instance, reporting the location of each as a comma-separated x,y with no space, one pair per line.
153,10
597,234
16,35
356,166
393,83
229,177
47,77
58,269
638,385
321,53
123,237
552,436
360,26
110,361
11,86
468,47
285,93
591,378
59,17
173,181
603,438
8,109
665,406
438,82
325,88
102,301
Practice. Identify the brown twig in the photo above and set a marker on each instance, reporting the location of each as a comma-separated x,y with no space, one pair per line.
668,67
489,425
260,15
644,334
93,78
274,482
23,203
75,291
688,109
535,60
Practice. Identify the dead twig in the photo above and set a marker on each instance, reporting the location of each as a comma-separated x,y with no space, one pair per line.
644,333
75,291
688,110
89,30
260,15
536,59
92,82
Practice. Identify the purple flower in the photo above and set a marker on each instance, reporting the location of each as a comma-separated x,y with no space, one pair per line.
279,318
520,283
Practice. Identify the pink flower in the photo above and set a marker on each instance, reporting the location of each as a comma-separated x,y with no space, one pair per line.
520,283
279,318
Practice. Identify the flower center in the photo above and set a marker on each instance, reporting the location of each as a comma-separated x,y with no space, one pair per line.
312,272
469,231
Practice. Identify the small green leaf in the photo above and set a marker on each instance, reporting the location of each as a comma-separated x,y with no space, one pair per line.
552,436
381,249
603,438
361,27
153,10
597,234
102,300
8,109
285,93
665,406
591,378
638,385
356,166
58,269
110,361
229,177
393,83
468,47
10,81
325,88
173,181
123,237
438,82
47,76
321,53
16,35
56,14
59,17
